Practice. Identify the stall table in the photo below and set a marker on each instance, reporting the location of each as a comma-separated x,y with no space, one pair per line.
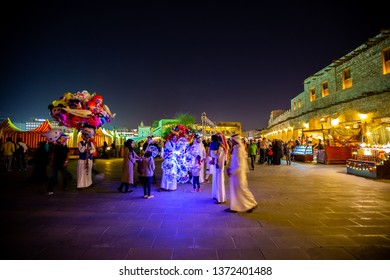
369,169
334,155
303,153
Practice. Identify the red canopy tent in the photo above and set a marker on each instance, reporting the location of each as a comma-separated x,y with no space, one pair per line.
8,129
31,137
36,135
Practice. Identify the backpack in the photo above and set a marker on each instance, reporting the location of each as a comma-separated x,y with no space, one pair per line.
22,148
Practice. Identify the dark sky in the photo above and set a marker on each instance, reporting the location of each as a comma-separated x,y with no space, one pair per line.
234,60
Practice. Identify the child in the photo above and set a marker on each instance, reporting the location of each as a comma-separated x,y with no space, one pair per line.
213,148
148,172
270,155
196,174
287,153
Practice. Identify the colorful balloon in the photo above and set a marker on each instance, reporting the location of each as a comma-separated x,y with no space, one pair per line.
80,109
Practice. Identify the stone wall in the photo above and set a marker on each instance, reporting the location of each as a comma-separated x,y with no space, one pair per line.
370,91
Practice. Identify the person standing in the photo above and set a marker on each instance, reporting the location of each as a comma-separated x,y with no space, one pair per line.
213,149
169,181
105,154
287,153
208,166
148,171
200,150
8,150
241,198
196,174
277,149
219,156
113,149
263,151
149,143
270,155
129,159
20,154
85,162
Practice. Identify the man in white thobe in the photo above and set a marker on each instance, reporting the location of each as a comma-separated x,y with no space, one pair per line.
218,190
241,198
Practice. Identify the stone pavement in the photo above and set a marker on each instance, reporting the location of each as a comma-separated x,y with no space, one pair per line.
306,211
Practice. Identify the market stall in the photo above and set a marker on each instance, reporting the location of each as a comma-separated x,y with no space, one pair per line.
371,162
334,155
8,129
303,153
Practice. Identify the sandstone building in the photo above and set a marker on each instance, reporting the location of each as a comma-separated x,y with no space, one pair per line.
347,101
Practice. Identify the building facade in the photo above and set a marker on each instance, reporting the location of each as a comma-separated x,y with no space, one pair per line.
347,101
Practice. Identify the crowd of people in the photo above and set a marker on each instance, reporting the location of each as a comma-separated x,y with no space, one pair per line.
214,157
14,154
217,158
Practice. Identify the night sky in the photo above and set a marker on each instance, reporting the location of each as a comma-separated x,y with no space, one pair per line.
234,60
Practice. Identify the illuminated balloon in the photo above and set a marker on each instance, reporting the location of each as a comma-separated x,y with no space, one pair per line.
168,165
183,177
192,150
153,150
190,159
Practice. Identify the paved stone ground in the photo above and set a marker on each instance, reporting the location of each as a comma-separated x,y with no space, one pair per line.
306,211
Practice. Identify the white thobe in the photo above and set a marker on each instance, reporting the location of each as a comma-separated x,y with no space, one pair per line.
201,151
241,198
84,166
218,190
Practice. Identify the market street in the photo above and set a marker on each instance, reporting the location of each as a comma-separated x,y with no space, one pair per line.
306,211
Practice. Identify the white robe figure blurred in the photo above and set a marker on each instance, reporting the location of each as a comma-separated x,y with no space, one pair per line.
169,185
218,190
200,150
241,198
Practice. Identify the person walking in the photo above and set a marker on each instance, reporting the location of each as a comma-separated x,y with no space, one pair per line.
241,198
148,172
253,151
59,157
129,159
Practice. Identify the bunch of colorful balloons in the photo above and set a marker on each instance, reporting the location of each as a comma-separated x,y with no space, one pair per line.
76,110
